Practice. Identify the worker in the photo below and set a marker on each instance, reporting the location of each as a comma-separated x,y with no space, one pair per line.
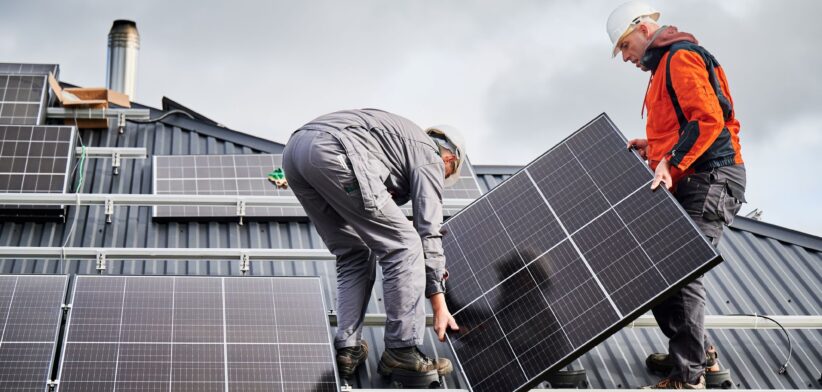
692,144
351,170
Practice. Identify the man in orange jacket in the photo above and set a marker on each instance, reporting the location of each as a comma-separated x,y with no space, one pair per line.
693,147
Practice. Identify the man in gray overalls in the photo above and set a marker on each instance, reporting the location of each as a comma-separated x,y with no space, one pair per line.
351,170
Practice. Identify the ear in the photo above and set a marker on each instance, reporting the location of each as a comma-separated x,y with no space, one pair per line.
644,29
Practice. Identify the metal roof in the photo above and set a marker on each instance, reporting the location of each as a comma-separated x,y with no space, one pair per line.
768,269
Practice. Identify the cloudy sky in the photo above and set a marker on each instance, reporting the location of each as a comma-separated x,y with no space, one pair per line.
517,76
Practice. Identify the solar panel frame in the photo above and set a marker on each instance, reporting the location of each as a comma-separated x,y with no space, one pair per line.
471,311
185,336
59,296
243,177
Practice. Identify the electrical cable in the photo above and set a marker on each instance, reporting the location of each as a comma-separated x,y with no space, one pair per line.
79,167
784,367
164,115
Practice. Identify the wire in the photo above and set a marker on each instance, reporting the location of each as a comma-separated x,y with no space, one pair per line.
79,167
784,367
166,114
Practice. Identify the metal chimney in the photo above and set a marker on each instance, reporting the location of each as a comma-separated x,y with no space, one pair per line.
123,45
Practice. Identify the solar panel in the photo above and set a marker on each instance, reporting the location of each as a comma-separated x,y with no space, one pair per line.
35,159
245,175
22,99
166,333
30,315
560,256
28,69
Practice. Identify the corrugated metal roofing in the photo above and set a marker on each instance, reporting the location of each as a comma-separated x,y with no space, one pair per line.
767,270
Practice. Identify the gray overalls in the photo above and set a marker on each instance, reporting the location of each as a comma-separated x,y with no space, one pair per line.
350,170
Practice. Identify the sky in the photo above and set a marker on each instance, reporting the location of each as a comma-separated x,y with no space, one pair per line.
516,76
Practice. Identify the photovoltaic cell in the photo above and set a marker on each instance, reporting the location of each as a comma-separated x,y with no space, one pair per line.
30,315
245,175
197,334
560,256
22,99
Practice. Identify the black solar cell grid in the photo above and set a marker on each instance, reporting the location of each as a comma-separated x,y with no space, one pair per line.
35,159
560,256
197,334
22,99
30,315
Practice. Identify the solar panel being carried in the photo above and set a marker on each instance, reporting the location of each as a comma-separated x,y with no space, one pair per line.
245,175
30,314
166,333
560,256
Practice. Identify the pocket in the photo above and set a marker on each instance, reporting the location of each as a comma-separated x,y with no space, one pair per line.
715,199
691,193
720,204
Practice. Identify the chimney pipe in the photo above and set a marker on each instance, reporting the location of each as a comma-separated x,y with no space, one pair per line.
123,45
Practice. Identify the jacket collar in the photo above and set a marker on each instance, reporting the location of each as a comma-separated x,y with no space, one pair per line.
659,44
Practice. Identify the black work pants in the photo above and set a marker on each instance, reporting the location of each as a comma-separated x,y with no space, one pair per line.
712,199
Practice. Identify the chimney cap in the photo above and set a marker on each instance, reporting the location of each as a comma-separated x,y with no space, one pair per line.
124,23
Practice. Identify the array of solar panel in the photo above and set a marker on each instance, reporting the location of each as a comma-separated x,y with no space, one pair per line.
204,334
245,175
35,158
30,315
22,99
28,69
562,255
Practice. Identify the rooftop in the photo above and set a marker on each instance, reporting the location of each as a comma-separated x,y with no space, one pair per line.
767,270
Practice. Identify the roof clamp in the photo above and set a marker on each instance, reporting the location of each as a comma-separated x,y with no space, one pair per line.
245,262
241,210
115,162
121,122
52,384
101,261
109,209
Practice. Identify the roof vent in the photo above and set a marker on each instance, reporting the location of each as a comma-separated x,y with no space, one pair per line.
123,45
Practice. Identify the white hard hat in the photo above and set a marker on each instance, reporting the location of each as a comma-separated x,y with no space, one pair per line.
625,18
457,146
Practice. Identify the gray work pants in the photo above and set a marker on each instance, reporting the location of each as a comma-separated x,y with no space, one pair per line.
712,199
321,177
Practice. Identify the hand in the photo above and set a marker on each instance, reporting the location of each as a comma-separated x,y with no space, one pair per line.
641,146
442,317
662,174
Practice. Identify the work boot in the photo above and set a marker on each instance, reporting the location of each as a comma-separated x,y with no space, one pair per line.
348,358
661,363
667,383
411,359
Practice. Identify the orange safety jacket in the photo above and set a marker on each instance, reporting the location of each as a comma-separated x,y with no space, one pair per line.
691,120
